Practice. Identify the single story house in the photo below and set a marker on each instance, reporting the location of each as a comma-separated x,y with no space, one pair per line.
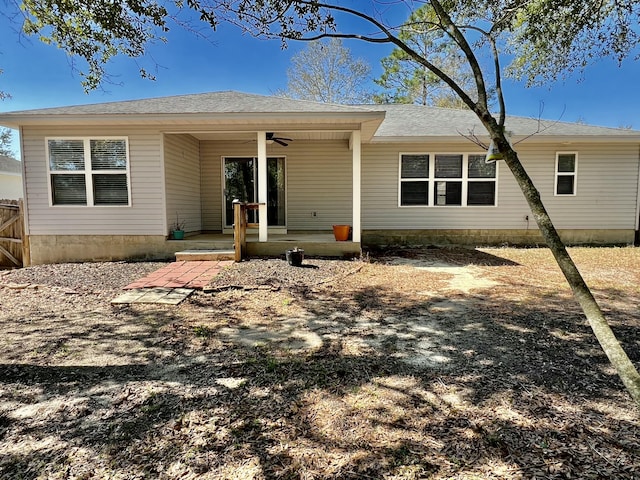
106,181
10,178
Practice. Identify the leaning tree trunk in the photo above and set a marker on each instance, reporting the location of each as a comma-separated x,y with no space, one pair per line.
608,341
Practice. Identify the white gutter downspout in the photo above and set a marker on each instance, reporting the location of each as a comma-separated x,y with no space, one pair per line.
23,166
262,187
637,222
357,174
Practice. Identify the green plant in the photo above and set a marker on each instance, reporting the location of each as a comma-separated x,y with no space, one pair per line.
202,331
178,224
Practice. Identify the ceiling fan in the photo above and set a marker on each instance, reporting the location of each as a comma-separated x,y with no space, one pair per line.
271,137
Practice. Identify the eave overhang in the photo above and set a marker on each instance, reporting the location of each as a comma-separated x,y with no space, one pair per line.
367,122
536,139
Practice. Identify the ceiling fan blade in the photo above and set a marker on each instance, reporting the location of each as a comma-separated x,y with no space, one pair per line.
279,141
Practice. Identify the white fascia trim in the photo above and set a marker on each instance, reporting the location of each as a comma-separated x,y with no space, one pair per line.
160,118
565,140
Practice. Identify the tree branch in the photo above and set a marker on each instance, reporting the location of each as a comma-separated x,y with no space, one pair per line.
481,107
499,93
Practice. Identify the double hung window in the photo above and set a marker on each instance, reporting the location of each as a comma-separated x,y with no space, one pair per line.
446,180
566,172
88,171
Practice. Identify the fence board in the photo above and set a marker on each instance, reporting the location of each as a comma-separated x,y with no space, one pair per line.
11,233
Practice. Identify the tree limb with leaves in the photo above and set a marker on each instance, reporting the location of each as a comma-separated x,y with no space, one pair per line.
97,31
476,28
553,38
406,81
327,72
5,143
5,133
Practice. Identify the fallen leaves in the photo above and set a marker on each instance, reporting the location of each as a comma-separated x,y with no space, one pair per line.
93,391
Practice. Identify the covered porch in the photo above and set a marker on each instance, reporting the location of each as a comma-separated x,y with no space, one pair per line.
302,178
314,244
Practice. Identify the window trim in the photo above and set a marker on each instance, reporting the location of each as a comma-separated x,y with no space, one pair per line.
432,181
88,172
431,173
574,174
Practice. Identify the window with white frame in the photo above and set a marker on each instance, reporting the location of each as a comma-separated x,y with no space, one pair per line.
414,179
88,171
566,171
446,180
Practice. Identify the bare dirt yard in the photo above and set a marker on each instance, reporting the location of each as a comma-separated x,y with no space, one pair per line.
412,364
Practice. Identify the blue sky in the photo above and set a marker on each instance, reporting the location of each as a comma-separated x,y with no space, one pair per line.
38,76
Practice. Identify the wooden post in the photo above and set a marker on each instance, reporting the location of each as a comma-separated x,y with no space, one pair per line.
237,230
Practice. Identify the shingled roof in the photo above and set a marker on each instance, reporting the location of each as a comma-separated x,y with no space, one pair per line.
416,121
10,165
389,122
200,103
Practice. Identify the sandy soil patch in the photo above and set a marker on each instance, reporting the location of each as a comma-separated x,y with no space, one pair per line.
436,363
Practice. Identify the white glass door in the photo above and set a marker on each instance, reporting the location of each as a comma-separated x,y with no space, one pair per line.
241,182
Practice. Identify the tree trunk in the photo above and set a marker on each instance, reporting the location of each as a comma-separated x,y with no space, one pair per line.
608,341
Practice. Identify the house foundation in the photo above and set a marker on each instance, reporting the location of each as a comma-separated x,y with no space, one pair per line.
489,237
98,248
102,248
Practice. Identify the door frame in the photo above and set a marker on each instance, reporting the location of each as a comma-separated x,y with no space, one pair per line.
272,228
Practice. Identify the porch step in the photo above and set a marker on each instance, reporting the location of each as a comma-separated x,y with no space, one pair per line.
200,255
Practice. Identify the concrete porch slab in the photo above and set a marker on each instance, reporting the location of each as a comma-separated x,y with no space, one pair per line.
204,255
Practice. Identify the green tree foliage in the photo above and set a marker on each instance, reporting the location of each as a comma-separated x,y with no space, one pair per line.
96,31
552,38
325,71
5,133
406,81
5,143
3,95
541,32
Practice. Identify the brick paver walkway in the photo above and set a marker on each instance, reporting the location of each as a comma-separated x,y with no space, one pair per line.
195,274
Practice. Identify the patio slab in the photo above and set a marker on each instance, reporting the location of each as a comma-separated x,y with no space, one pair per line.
165,295
172,283
182,274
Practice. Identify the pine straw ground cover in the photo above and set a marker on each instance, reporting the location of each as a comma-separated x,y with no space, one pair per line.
430,364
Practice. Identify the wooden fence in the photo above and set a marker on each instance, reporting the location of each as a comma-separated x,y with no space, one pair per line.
14,249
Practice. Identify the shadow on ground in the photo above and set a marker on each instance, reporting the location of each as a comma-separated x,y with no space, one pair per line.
361,381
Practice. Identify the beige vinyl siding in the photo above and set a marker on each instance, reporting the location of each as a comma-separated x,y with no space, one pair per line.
606,195
380,210
211,186
318,179
182,180
606,185
145,215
